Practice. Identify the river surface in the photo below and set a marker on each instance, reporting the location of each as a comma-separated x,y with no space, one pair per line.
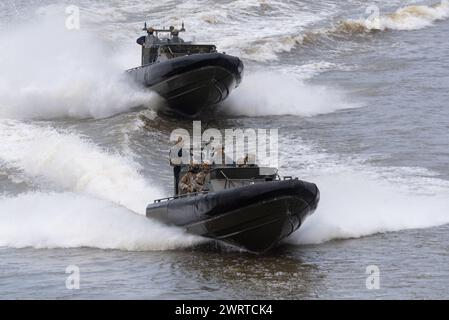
358,91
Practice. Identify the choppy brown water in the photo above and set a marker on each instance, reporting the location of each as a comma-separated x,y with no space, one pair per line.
361,111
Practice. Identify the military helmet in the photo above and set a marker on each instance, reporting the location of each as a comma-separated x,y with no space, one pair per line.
206,164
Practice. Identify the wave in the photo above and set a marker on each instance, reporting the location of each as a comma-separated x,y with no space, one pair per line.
251,30
355,205
412,17
49,72
97,198
360,200
69,220
407,18
67,162
272,93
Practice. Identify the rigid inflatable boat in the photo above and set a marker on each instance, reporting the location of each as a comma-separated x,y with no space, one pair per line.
250,207
188,76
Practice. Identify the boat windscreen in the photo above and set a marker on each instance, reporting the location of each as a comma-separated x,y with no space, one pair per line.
179,50
239,173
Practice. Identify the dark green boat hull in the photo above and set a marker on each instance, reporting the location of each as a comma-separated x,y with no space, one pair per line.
189,84
255,217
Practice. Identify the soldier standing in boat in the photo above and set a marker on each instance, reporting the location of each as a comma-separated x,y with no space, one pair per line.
175,155
149,40
175,37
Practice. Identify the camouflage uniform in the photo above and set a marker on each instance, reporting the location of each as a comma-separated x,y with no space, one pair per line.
187,181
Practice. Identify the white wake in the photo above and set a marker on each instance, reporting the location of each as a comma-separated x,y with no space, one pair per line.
50,72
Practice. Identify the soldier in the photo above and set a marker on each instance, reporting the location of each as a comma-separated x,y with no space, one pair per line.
175,37
187,184
149,40
241,162
202,178
176,160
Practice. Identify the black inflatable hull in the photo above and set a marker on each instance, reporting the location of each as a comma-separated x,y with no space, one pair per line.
191,83
255,218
